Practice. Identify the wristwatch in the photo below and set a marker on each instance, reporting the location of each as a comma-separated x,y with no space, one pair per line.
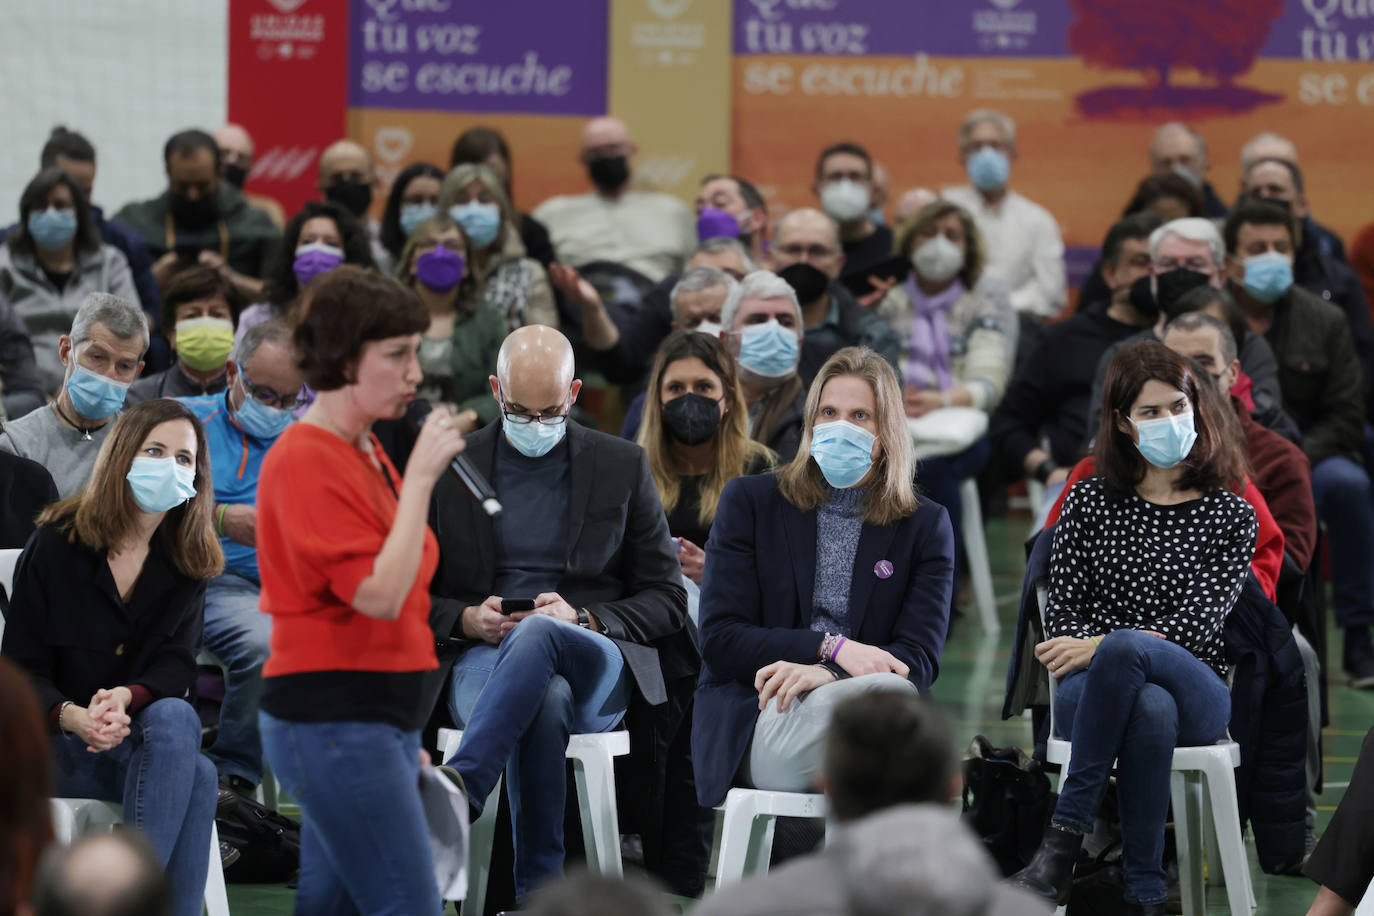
584,620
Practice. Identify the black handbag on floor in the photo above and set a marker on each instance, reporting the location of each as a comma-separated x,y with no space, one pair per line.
269,844
1007,802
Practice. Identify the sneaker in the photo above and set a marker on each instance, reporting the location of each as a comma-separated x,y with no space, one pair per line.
1358,657
228,855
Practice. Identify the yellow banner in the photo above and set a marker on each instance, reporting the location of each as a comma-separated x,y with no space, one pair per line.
670,81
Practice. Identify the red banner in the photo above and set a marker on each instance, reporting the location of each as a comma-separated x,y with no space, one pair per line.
288,87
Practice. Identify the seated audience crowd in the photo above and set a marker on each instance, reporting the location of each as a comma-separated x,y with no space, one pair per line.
720,453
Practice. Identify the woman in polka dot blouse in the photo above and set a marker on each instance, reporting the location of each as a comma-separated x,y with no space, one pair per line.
1149,558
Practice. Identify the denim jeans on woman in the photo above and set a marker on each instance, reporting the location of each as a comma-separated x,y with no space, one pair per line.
518,703
167,788
364,843
1140,697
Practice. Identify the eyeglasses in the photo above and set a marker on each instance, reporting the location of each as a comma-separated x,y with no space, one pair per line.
810,252
268,397
524,419
1201,265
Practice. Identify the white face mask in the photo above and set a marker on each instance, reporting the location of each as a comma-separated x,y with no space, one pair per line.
937,260
845,200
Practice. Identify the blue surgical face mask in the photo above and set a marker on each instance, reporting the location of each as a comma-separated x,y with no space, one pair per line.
1165,441
52,228
257,419
93,395
988,169
843,452
480,221
769,350
1268,275
534,440
160,484
413,215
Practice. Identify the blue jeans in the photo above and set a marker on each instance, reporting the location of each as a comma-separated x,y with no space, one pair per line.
1342,493
167,788
1139,698
237,633
517,704
940,478
364,842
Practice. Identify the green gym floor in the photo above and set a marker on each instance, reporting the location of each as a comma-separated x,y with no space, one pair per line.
972,675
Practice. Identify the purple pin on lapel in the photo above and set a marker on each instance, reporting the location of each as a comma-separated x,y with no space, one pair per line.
882,569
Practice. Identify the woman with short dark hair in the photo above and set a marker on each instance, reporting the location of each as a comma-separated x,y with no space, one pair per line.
1149,557
414,198
50,261
346,557
106,620
320,237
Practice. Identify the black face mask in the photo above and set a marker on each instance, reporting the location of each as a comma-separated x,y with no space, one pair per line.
194,215
1142,299
609,173
353,196
236,175
810,284
1171,285
691,418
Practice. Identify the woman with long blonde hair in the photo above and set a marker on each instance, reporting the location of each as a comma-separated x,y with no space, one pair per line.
827,579
696,434
106,620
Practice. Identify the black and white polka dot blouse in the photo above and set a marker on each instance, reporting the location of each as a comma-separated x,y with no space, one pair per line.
1130,564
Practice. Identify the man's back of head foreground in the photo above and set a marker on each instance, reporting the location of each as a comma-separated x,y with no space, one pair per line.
886,749
110,874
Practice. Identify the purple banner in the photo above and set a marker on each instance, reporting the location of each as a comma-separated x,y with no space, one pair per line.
854,28
519,56
1323,30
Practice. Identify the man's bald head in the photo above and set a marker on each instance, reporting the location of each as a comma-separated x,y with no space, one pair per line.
605,132
108,874
347,160
233,140
534,372
809,221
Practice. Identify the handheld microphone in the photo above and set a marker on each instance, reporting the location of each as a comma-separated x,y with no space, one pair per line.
471,478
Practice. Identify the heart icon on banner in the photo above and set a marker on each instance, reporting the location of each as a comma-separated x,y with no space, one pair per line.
287,6
669,9
392,143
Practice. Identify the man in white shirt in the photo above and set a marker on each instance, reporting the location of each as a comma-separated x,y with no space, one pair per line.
653,234
1024,248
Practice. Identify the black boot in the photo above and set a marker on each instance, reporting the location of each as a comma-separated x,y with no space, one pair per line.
1050,873
1145,909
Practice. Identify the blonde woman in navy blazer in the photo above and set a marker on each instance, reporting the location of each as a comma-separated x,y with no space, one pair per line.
829,578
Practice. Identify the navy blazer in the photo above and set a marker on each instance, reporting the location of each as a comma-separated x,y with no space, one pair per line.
756,603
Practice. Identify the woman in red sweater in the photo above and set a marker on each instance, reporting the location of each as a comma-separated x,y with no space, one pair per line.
346,558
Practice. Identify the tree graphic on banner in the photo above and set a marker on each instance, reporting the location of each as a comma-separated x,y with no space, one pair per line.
1218,39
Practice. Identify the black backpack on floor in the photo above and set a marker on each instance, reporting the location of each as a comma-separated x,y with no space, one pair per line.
268,843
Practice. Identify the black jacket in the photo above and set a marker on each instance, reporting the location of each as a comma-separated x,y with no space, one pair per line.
620,566
1319,374
69,629
1269,722
1048,396
25,488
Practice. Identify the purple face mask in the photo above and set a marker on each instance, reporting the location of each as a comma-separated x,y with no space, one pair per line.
315,259
713,223
440,269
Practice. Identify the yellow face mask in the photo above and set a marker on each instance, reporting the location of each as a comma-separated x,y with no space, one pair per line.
205,343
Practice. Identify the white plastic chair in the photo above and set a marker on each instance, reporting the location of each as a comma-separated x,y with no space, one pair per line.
72,817
1203,791
8,559
593,757
976,548
746,836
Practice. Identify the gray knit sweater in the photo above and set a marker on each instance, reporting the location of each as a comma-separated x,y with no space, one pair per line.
839,520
